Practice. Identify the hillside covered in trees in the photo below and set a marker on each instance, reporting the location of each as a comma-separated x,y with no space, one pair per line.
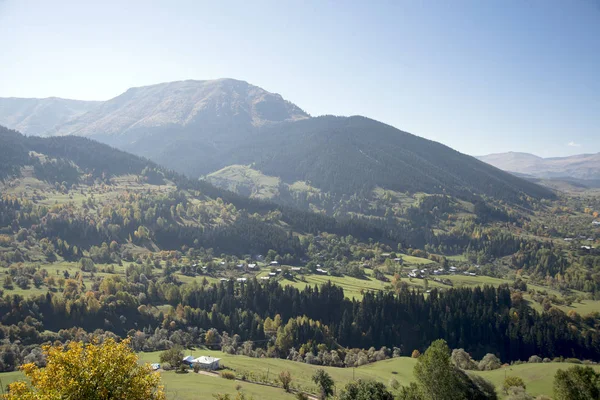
200,127
97,242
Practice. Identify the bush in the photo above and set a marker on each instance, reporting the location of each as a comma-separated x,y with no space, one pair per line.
573,360
173,356
489,362
463,360
535,359
285,378
182,369
512,381
196,368
518,393
227,375
302,396
366,390
415,354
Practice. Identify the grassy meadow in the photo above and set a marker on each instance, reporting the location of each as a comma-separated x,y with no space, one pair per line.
538,377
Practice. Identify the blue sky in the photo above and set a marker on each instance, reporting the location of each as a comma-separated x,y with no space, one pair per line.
481,76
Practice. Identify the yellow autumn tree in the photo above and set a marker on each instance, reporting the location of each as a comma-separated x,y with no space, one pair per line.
95,371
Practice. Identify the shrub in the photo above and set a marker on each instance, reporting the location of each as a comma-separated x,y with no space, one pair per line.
366,390
512,381
518,393
173,356
535,359
302,396
227,375
489,362
182,369
285,378
415,354
463,360
573,360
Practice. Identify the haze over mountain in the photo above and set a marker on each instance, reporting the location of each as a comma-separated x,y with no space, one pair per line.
581,167
37,116
199,127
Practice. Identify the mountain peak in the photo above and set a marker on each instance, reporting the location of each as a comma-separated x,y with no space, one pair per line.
183,104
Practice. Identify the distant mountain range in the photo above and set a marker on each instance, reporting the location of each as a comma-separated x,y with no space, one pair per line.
38,116
201,127
583,167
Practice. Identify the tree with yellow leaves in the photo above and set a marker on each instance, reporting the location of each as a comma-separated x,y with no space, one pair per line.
95,371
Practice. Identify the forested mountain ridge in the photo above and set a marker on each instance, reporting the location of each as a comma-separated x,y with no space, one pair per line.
36,116
350,155
36,170
199,127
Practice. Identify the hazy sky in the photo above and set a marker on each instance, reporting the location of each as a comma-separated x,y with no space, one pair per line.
481,76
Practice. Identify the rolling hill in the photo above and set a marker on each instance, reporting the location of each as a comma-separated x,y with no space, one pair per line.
37,116
582,167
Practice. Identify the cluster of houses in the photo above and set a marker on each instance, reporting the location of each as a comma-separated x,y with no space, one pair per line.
580,238
421,273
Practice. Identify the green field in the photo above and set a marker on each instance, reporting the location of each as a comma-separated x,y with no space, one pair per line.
352,286
268,368
193,386
9,377
410,260
538,377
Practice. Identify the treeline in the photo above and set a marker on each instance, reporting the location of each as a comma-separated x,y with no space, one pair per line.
480,320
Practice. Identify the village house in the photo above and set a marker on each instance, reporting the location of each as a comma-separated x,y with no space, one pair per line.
204,362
